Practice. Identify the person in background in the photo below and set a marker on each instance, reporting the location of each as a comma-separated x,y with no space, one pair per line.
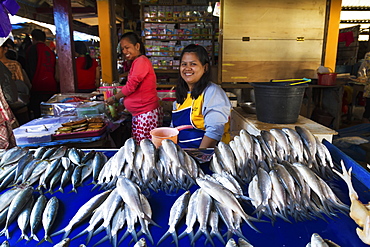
139,93
20,81
363,76
88,71
199,102
42,71
7,119
27,42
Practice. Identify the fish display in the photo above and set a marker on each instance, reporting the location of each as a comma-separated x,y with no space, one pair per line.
112,211
167,168
279,174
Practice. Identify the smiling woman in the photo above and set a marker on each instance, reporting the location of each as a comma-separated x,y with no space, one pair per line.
199,102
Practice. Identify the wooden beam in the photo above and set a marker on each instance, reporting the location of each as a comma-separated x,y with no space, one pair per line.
75,10
65,44
108,40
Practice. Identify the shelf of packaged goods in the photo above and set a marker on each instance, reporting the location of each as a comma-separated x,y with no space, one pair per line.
166,71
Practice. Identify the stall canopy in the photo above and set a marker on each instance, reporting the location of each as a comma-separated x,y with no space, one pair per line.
22,25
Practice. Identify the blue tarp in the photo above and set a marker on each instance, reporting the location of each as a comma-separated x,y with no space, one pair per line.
349,139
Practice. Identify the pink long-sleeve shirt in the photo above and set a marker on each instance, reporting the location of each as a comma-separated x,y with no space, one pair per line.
141,88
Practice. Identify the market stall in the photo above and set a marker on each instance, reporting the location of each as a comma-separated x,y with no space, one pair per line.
79,119
275,232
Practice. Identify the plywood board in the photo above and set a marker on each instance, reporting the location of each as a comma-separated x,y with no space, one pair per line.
262,71
269,19
272,50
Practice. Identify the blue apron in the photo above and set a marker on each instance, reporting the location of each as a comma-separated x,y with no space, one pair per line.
188,138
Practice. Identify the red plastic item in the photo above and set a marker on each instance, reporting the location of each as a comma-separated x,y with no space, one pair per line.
80,134
326,79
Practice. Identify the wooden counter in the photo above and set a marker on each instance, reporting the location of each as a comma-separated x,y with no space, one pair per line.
242,120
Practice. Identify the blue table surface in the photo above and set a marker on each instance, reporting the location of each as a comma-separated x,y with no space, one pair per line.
340,230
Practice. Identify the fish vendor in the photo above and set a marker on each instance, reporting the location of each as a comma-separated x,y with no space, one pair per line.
200,102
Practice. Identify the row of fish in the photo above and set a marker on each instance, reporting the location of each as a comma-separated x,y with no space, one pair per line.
292,190
111,211
246,153
207,205
167,168
49,167
19,204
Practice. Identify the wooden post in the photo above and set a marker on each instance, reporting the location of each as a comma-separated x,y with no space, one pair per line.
332,33
65,46
108,40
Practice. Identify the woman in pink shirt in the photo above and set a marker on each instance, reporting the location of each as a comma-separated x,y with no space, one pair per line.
140,91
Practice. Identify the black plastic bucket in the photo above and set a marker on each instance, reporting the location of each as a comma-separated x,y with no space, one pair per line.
277,103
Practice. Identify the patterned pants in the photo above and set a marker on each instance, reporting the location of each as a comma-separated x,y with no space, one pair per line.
142,124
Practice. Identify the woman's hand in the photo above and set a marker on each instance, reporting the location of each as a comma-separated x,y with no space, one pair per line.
111,100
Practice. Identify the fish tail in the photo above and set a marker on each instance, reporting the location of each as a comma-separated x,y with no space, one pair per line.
196,236
218,235
79,235
105,238
114,240
149,235
125,236
252,225
164,237
133,234
88,238
182,234
34,237
208,238
56,233
239,234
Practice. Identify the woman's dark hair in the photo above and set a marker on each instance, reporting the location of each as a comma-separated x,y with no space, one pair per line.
81,48
38,35
182,87
134,39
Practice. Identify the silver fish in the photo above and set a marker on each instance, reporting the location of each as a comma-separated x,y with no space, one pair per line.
317,241
39,152
36,215
5,243
74,156
12,155
66,162
58,153
177,211
89,156
48,217
231,243
16,206
83,212
213,223
48,153
226,197
130,195
203,210
191,216
49,172
228,158
243,243
56,178
76,178
24,219
295,142
141,243
66,177
63,243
